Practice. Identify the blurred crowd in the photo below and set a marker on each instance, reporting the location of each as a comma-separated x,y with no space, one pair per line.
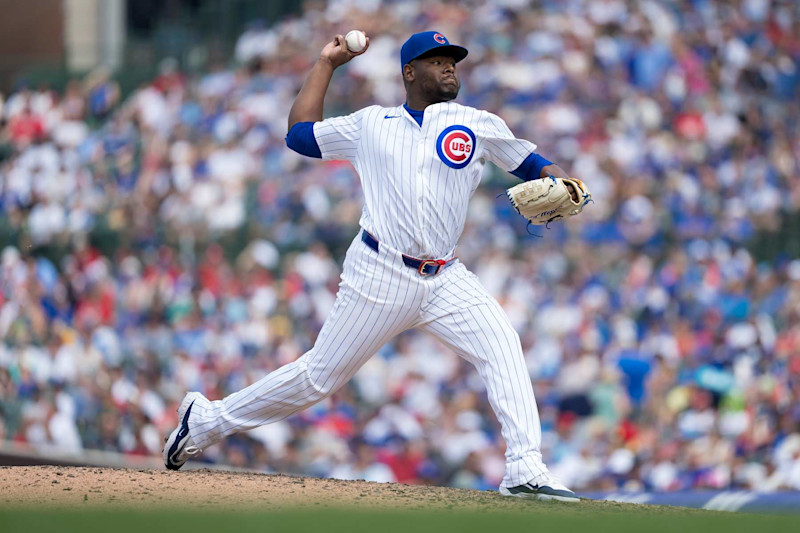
169,241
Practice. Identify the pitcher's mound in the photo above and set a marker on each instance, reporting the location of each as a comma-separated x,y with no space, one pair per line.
67,486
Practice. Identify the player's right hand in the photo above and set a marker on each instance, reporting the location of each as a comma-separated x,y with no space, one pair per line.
336,52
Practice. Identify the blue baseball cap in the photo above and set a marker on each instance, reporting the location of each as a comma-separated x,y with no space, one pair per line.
421,43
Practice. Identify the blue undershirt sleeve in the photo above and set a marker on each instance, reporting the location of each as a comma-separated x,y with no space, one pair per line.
301,139
531,167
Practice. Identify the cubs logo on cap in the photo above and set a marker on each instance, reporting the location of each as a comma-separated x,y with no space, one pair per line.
426,42
456,146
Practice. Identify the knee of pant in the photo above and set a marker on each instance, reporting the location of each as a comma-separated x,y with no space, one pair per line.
509,334
323,385
511,338
500,343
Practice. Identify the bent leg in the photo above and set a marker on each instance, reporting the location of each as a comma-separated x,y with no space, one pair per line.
465,317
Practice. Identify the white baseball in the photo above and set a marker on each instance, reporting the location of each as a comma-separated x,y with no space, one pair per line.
356,40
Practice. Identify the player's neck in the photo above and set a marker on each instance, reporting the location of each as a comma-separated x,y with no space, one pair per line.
419,103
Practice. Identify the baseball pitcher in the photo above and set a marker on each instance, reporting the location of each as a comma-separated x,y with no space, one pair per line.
419,164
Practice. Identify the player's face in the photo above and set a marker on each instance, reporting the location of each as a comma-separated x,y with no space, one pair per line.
437,78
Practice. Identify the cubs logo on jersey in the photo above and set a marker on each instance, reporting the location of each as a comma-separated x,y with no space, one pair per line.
455,146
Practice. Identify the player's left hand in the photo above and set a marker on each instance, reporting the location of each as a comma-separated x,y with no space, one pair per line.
337,53
549,199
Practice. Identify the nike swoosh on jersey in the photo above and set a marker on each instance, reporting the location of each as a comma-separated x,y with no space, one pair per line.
392,116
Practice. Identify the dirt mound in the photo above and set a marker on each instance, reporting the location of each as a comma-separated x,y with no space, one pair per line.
69,487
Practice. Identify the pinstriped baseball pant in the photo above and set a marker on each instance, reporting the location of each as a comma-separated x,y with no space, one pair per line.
379,297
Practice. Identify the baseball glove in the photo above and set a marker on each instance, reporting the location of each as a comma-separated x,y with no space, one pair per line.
544,200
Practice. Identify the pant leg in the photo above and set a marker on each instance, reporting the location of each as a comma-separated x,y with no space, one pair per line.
375,302
465,317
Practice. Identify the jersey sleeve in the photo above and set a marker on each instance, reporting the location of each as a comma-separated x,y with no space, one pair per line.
500,146
338,137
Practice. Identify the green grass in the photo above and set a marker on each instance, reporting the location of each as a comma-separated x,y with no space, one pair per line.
553,519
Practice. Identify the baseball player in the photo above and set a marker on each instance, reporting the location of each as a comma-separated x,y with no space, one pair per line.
419,164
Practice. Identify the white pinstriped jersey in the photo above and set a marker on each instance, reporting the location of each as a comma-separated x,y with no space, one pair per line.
418,180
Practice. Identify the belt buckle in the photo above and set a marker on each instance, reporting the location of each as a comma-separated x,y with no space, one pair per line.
438,262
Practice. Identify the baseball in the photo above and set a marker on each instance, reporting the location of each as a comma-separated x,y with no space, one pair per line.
356,40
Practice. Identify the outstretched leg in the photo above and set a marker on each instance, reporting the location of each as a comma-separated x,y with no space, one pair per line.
375,302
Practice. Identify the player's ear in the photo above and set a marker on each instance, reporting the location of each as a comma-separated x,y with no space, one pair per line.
408,73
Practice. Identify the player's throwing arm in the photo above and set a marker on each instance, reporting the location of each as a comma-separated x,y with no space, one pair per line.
307,106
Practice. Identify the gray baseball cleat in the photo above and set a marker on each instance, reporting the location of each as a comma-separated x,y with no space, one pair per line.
543,487
178,447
